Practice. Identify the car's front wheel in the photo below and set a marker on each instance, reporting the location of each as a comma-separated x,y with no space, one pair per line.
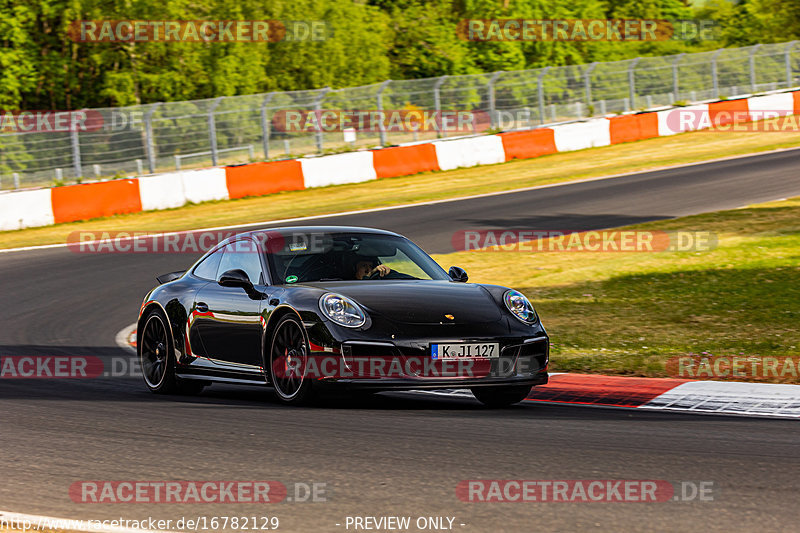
288,359
501,396
158,365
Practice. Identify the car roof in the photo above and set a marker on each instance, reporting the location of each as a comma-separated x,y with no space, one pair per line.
322,229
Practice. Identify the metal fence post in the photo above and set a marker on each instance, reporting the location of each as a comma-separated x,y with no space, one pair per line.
437,102
587,83
148,137
490,98
714,76
76,152
675,62
318,109
540,90
752,61
265,130
15,175
788,60
379,103
212,130
632,81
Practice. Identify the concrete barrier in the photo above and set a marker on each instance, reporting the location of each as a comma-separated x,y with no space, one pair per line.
163,191
581,135
204,185
470,152
26,209
771,105
95,200
405,160
529,143
352,167
629,128
258,179
728,112
682,119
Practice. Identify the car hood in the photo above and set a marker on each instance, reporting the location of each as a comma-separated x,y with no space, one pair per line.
420,302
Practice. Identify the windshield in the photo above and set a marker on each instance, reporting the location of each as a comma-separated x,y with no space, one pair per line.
299,257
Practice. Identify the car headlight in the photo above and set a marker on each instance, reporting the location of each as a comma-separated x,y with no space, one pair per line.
519,306
342,310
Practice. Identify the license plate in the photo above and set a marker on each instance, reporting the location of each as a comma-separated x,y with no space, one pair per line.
477,350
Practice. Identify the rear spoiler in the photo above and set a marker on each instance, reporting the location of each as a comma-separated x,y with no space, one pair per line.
172,276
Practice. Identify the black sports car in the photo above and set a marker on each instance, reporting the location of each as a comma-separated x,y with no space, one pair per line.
306,308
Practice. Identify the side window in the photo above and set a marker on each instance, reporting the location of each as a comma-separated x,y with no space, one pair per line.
243,255
208,268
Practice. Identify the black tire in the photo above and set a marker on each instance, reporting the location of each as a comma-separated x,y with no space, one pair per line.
157,360
288,350
496,397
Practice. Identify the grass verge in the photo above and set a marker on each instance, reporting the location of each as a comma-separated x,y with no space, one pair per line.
555,168
629,313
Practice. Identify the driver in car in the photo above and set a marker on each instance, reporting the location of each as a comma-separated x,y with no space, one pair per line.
364,268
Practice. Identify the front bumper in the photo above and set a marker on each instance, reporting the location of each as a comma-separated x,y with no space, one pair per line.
430,383
404,365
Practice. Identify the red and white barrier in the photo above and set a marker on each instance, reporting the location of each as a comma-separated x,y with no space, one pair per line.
22,209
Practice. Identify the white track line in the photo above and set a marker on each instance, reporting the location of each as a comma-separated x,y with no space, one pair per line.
405,206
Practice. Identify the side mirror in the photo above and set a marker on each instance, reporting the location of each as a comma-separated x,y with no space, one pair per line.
458,274
236,278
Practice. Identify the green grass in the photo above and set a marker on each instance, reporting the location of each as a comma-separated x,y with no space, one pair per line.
628,313
555,168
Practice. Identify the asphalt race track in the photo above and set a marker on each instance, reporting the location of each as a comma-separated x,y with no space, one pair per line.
404,454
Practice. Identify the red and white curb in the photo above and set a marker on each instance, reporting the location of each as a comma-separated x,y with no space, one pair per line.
28,522
655,394
664,394
126,338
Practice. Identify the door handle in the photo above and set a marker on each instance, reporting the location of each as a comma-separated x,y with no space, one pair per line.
202,307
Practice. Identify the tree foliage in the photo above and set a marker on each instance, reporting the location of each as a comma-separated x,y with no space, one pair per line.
41,67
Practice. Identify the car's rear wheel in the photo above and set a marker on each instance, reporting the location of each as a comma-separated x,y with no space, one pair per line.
288,362
501,396
156,361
